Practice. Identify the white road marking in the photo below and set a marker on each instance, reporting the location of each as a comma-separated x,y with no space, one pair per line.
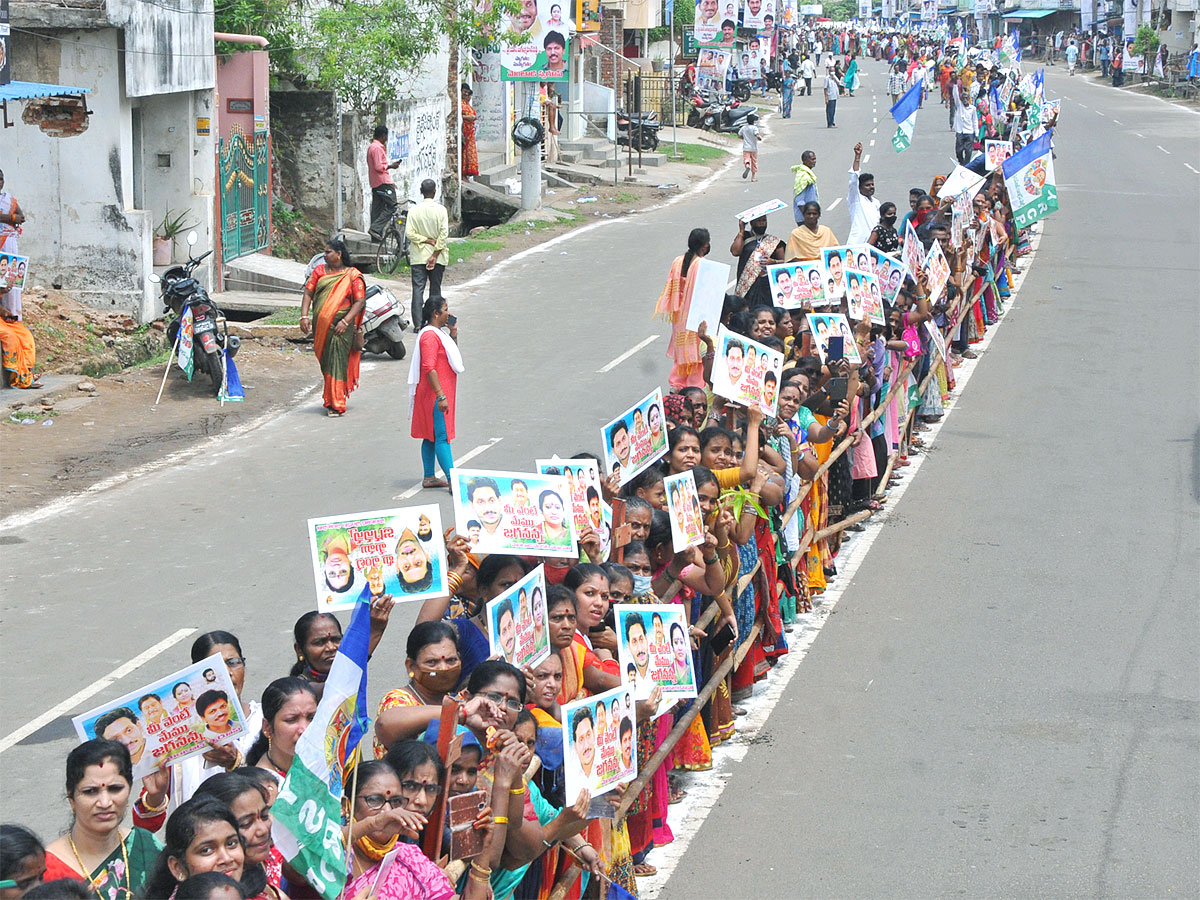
1194,169
704,792
1084,105
1116,122
1098,112
874,130
466,457
92,689
872,144
867,158
836,201
1163,149
1139,135
628,353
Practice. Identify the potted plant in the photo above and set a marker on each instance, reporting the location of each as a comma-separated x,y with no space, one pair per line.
165,233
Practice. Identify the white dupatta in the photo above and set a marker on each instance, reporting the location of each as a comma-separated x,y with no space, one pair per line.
414,370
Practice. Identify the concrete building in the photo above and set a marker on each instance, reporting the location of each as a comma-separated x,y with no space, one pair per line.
94,191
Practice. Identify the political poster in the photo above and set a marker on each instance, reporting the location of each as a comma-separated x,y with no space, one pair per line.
13,269
711,68
683,506
827,325
587,500
653,649
517,622
761,209
708,19
746,371
170,719
758,14
796,284
1029,177
891,274
912,253
599,742
541,39
514,512
836,260
996,152
636,438
863,296
357,557
939,341
937,270
708,294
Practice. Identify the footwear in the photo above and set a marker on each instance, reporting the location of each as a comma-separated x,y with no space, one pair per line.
334,414
746,173
644,870
434,483
738,711
970,354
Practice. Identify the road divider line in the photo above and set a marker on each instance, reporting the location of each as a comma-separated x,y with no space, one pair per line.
1099,112
1116,122
92,689
1138,134
867,158
1163,149
1193,168
466,457
628,353
1085,106
872,144
836,201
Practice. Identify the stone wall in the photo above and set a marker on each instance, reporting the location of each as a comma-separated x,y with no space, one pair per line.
304,139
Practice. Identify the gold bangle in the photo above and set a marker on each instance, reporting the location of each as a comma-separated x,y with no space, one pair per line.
481,869
155,810
479,879
500,820
518,790
724,545
454,582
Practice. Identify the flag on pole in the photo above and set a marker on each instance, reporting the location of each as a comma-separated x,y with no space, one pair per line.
308,814
1029,177
185,342
905,114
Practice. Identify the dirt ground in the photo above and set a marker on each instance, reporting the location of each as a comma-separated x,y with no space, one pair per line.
63,440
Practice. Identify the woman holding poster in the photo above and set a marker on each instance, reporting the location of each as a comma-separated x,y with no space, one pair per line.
673,305
338,295
433,387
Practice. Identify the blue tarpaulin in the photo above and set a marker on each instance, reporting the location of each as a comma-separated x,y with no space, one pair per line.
30,90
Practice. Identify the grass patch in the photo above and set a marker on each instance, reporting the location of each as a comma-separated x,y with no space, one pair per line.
156,360
20,416
289,316
699,154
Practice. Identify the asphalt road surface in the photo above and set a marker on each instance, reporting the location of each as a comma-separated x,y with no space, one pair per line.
1004,703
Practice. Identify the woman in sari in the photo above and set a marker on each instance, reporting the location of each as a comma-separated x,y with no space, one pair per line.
11,219
433,389
114,861
851,79
674,304
338,295
470,152
16,343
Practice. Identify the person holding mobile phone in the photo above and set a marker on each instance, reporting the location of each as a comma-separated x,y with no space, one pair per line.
433,387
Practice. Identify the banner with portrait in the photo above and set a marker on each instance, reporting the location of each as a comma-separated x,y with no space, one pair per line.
863,296
836,261
653,649
746,371
937,270
587,500
170,719
996,152
891,274
758,14
712,66
517,620
796,284
913,252
514,512
542,30
636,438
683,506
13,269
599,742
827,325
357,557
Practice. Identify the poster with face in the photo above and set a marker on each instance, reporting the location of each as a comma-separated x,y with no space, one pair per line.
170,719
937,269
683,506
517,622
514,512
761,209
835,261
583,486
653,648
935,335
13,269
707,21
912,253
600,742
863,296
996,152
708,293
360,556
636,438
755,13
746,371
782,279
827,325
542,37
890,273
808,284
711,69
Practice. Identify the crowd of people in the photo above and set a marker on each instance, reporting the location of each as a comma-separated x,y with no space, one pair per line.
778,494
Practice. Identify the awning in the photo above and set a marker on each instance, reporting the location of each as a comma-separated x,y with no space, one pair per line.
29,90
1031,13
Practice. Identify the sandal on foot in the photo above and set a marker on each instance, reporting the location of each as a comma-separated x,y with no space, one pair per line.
434,483
643,870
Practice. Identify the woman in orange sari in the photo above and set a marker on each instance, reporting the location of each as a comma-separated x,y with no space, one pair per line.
18,348
470,152
338,295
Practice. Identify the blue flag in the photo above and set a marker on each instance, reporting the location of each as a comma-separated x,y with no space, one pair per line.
354,645
905,114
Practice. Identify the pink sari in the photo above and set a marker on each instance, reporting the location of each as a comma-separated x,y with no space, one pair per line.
411,877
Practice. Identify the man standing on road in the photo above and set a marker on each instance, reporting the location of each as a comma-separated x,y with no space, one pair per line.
428,234
1072,54
896,82
831,95
804,187
860,197
807,72
383,191
964,123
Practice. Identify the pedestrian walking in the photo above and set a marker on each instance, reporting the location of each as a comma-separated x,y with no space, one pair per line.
896,81
433,388
750,138
804,185
831,95
338,295
428,234
1072,55
379,177
807,71
787,92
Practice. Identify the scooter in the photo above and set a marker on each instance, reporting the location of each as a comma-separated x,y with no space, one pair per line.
640,131
384,319
726,119
210,334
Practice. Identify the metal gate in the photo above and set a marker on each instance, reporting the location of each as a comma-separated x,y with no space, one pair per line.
245,185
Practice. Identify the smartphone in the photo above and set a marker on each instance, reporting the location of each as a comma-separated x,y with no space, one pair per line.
452,321
461,812
816,401
721,640
835,349
837,388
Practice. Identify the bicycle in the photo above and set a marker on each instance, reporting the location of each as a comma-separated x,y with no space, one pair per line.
393,246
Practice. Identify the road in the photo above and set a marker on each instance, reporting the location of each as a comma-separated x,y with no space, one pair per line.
1026,622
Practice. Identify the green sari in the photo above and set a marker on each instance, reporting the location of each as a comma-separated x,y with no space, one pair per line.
334,294
110,880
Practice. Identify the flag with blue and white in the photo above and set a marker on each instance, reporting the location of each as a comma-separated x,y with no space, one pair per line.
905,114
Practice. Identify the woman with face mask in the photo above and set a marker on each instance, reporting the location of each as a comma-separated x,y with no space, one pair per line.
433,665
884,236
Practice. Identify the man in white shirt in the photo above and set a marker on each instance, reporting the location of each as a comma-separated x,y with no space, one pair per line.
831,95
860,196
807,71
963,121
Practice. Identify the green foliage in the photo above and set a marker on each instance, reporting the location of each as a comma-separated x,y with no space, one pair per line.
173,223
699,154
1146,42
273,19
841,10
685,17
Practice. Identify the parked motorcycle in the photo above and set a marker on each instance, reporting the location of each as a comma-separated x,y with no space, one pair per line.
739,88
384,319
644,130
210,334
713,116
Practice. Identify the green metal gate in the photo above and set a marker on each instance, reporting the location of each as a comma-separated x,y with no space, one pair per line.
245,194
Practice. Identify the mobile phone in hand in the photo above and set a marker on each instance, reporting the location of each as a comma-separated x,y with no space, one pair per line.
835,349
452,321
722,639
